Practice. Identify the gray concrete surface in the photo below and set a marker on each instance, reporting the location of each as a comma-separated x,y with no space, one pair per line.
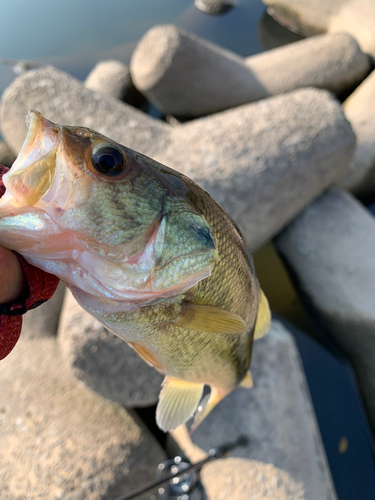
7,156
113,78
61,441
184,75
215,7
242,479
329,249
359,109
310,17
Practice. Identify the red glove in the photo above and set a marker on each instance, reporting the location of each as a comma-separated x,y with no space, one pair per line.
40,287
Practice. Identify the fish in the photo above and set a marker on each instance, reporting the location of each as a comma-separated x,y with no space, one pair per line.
146,251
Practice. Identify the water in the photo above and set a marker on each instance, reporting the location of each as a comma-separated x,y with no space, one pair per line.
74,36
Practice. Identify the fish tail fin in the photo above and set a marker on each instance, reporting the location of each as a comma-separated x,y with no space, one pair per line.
207,405
178,400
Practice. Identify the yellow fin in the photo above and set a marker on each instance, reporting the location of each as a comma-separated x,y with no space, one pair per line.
207,405
210,319
178,401
263,321
247,381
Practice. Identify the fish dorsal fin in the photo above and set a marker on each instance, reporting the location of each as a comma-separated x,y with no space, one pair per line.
210,319
247,381
178,401
263,321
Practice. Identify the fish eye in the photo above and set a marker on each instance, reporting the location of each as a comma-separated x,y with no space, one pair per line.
107,159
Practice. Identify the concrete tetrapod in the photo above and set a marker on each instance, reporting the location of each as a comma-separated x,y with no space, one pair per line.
61,441
184,75
329,249
310,17
276,416
263,162
113,79
359,109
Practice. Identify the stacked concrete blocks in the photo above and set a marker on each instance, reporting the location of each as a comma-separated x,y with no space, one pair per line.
310,17
184,75
263,162
61,441
113,78
329,249
359,109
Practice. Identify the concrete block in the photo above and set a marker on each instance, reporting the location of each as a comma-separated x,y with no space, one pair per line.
263,162
359,109
215,7
113,79
184,75
310,17
61,441
329,250
7,156
241,479
103,361
276,416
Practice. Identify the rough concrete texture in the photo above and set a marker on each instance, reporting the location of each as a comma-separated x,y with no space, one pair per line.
7,156
310,17
113,79
61,441
241,479
359,109
263,162
103,361
329,249
276,416
184,75
214,7
43,321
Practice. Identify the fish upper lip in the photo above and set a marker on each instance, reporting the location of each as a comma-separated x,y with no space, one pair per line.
29,180
42,136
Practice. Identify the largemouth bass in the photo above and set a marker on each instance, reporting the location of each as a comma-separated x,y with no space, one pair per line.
146,251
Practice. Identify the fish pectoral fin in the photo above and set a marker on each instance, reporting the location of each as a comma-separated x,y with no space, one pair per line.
178,401
247,381
207,405
263,321
210,319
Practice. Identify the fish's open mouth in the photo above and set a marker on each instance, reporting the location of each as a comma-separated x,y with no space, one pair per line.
32,173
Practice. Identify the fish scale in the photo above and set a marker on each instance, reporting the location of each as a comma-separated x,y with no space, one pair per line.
146,251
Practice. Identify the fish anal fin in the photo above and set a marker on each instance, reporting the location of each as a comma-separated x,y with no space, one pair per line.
263,321
210,319
178,401
247,381
207,405
147,356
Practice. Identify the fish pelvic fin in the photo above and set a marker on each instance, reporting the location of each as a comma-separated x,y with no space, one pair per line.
178,400
207,405
210,319
263,321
